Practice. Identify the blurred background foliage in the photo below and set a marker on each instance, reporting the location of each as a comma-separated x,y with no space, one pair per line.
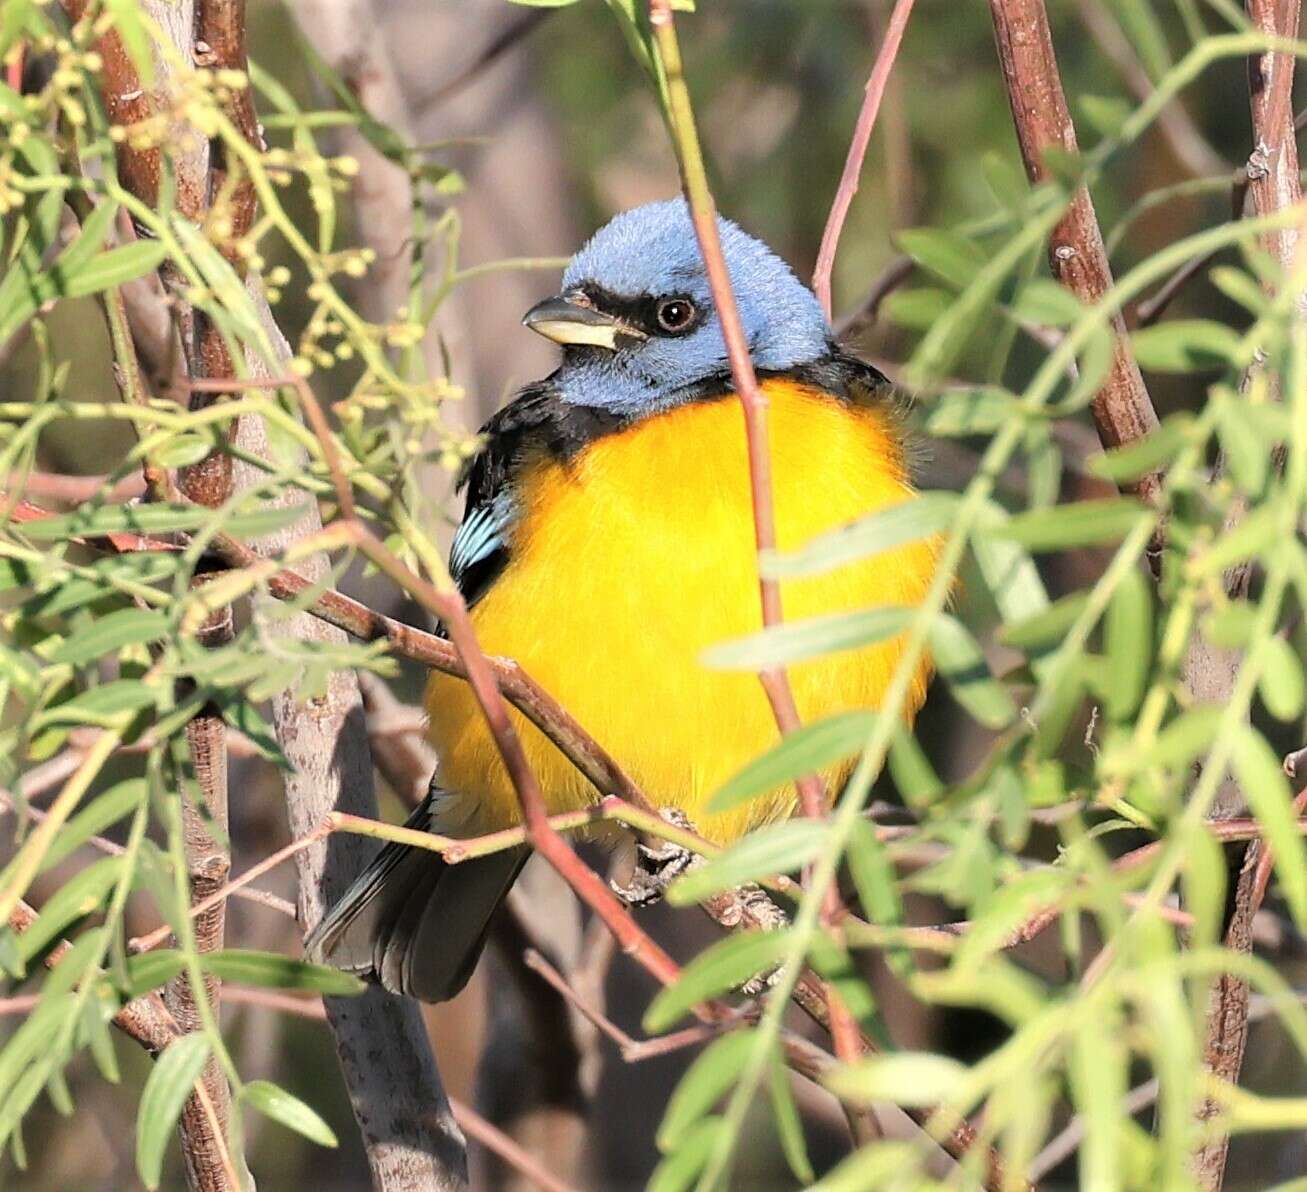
551,128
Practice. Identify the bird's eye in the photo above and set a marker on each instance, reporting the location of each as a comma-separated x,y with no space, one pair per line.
675,314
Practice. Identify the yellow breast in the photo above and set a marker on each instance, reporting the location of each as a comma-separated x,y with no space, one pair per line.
636,555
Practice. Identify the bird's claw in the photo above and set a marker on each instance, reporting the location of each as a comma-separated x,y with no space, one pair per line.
657,864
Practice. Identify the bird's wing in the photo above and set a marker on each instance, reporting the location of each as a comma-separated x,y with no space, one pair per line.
536,423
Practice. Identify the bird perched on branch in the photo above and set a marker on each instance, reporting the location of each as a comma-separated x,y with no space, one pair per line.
609,539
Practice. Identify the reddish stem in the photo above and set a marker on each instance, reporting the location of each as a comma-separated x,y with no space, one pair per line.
848,187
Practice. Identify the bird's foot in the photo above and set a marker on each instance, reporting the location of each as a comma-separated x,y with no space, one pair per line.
658,863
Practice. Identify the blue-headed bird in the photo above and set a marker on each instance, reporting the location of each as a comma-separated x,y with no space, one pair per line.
608,540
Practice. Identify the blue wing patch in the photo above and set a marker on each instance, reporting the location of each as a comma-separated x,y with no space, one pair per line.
480,547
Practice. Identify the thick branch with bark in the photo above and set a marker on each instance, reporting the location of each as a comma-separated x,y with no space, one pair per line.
1122,408
1273,183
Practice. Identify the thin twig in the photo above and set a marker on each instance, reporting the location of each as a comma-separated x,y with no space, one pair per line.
1273,184
145,943
494,1139
875,91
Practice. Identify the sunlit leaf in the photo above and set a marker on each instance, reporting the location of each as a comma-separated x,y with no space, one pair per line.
906,1078
276,1103
807,750
169,1084
1266,788
1185,345
914,520
794,641
244,967
711,1075
962,665
774,849
725,966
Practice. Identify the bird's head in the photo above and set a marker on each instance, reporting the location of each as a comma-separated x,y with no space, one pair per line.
637,322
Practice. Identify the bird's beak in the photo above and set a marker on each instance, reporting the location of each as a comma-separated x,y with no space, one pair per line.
568,322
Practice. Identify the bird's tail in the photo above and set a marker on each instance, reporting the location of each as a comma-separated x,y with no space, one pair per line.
413,922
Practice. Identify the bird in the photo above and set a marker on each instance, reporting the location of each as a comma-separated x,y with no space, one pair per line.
608,540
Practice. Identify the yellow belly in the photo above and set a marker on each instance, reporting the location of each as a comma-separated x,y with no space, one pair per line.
632,558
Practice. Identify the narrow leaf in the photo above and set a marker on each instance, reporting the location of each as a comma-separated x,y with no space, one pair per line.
795,641
169,1084
807,750
723,967
898,525
777,848
275,1102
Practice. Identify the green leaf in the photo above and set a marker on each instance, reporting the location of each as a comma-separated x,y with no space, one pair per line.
80,896
1065,527
1186,345
1092,365
1010,573
918,308
169,1084
1106,114
183,450
1044,630
1281,680
727,965
91,522
1012,905
950,333
1239,287
109,269
962,665
807,750
275,1102
883,530
1046,302
108,634
149,971
1149,454
267,969
1266,788
1254,534
105,810
795,641
950,257
1247,455
1006,179
961,412
906,1078
1145,34
914,776
1188,735
789,1126
874,876
704,1083
776,848
99,705
128,23
1128,636
878,1165
678,1170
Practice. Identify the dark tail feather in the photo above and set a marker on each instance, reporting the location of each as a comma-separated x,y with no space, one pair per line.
413,922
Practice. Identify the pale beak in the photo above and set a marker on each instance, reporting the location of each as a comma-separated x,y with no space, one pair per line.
567,322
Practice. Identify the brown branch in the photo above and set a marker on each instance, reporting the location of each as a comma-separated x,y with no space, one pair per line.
55,486
408,1130
1273,184
1122,409
495,1140
848,186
